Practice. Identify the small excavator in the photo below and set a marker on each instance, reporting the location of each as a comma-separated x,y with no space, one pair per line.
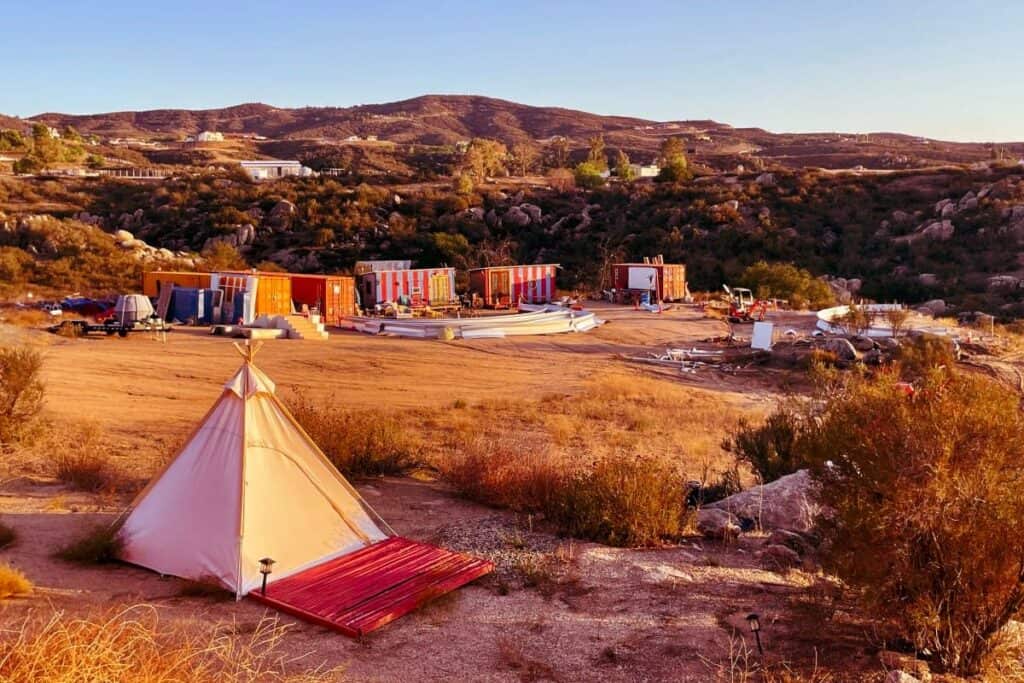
743,307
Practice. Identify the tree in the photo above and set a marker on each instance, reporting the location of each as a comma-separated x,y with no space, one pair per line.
672,159
462,183
12,140
623,169
561,180
484,158
588,176
596,156
95,161
557,153
926,507
28,164
523,157
45,147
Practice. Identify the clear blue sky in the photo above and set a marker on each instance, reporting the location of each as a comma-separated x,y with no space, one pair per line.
944,69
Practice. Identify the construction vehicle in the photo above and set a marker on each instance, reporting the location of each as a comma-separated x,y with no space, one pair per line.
743,307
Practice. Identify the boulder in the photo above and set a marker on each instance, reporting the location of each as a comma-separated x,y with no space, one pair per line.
717,523
766,180
899,662
733,204
901,217
799,543
938,230
948,210
765,213
123,236
862,343
842,348
1002,282
533,211
491,218
778,557
928,279
516,217
476,212
935,307
282,214
983,192
941,205
786,503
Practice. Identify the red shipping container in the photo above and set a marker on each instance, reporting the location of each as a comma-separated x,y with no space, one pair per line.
333,295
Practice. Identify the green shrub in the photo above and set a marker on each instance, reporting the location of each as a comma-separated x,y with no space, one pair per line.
771,449
101,544
361,443
786,281
926,506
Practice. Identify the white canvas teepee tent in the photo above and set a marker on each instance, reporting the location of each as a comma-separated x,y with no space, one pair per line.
249,483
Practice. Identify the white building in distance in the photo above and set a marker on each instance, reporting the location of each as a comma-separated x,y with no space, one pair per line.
274,168
645,170
210,136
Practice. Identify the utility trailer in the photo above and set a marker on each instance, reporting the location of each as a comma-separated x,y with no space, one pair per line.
80,327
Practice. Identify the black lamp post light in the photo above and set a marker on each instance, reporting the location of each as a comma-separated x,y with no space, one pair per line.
755,627
267,566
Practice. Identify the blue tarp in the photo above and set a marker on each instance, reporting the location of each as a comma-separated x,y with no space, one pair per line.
190,304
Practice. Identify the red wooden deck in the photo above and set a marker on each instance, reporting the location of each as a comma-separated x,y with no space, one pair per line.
364,590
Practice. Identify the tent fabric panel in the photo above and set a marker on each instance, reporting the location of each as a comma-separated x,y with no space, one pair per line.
186,524
297,511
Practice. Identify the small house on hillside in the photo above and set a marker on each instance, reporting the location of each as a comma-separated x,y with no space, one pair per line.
210,136
274,168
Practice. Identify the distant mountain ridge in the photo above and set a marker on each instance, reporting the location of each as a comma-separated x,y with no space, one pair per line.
429,119
447,119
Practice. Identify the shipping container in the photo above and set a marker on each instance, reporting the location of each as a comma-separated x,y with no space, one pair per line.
666,280
435,286
249,295
363,267
333,296
194,306
505,286
154,280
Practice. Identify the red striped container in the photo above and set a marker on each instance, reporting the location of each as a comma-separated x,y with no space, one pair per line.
505,286
430,285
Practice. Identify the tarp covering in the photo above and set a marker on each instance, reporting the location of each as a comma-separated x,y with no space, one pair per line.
248,484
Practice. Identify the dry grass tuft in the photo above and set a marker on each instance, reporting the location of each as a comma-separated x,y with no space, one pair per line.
359,443
13,582
512,655
130,645
78,457
100,545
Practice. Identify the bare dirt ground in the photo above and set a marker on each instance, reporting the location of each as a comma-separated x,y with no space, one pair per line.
617,614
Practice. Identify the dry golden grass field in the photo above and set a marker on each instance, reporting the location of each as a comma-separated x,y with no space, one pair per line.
557,608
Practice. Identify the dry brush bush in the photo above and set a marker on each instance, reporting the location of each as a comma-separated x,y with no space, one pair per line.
78,457
13,582
925,493
21,392
363,443
624,502
132,645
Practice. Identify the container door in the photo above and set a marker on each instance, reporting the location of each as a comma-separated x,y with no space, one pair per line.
439,288
501,286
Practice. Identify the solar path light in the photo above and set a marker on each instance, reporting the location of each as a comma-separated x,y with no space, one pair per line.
755,626
266,566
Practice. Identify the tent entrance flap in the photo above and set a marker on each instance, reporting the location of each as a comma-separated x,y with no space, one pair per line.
362,591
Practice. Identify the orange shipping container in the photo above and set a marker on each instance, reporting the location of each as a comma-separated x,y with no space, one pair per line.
154,280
